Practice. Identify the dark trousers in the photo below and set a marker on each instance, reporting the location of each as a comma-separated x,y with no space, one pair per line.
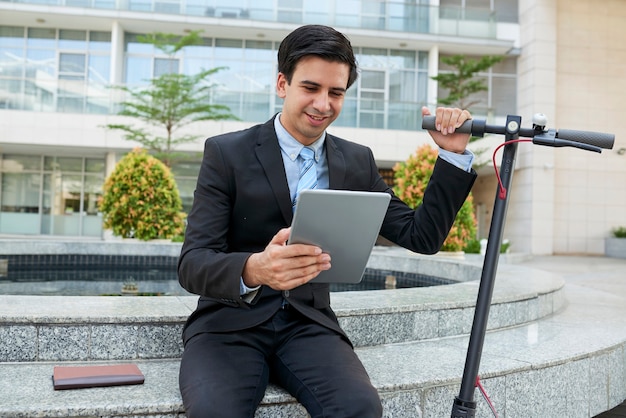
226,374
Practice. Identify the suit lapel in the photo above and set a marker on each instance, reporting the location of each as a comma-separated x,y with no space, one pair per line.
336,164
269,155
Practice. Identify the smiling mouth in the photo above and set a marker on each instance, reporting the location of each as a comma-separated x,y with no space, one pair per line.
317,118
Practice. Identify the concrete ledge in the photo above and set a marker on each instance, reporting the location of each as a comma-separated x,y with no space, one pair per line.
95,247
80,328
570,364
552,350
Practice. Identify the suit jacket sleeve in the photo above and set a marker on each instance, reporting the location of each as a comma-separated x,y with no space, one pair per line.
425,229
206,265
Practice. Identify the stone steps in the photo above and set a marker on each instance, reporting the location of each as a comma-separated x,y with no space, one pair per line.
552,350
94,328
572,364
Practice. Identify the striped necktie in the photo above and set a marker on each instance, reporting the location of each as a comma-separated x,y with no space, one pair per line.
308,173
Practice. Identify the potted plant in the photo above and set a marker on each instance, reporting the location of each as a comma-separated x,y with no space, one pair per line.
141,200
411,178
615,246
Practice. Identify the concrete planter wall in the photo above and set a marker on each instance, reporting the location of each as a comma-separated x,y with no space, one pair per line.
615,247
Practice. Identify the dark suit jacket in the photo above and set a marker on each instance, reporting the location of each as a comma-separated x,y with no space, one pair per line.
242,200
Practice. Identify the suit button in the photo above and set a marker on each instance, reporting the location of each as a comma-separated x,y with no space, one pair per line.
286,293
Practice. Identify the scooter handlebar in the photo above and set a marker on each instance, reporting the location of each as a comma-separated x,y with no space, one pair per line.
597,139
478,127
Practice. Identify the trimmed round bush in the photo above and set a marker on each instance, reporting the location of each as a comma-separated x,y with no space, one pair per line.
141,199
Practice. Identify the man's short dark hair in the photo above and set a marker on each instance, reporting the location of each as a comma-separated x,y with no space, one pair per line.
317,40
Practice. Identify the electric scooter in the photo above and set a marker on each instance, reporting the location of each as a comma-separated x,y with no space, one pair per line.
464,405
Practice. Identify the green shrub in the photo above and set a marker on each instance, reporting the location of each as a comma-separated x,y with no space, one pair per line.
619,232
411,178
141,199
472,247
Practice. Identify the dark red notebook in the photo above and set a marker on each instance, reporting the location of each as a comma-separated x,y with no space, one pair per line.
76,377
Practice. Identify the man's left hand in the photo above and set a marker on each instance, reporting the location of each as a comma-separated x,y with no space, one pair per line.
447,120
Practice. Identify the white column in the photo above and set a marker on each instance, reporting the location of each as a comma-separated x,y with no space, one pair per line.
433,70
117,53
530,219
109,164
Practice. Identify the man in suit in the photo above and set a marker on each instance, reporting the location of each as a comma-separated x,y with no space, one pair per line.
258,318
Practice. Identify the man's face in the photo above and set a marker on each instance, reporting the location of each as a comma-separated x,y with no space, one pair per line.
314,98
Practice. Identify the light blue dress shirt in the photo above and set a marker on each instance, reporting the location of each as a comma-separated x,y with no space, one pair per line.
290,149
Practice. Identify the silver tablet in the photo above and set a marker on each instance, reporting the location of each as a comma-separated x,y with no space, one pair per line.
345,224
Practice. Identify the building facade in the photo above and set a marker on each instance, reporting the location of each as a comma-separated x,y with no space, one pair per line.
59,59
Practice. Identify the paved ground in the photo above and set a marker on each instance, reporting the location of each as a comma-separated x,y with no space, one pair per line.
603,273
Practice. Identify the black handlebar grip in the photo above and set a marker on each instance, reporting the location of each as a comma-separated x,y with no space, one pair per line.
428,123
598,139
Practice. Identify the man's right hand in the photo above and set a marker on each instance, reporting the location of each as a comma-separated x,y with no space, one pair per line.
284,267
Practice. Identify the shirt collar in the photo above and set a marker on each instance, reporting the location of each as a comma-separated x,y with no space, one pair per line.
290,146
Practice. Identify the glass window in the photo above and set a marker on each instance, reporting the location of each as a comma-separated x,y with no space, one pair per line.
186,187
507,11
196,65
317,11
94,165
72,64
133,45
258,76
231,76
92,192
422,88
104,4
259,50
99,69
67,102
373,101
373,80
11,36
372,57
485,4
228,49
70,164
204,48
41,38
100,41
187,168
198,8
42,61
140,5
70,193
165,66
402,86
91,219
402,59
293,4
73,39
138,70
17,163
20,192
348,115
63,164
422,57
372,120
20,204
